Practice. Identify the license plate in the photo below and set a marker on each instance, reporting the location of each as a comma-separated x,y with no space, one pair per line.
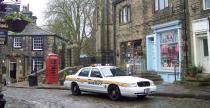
147,90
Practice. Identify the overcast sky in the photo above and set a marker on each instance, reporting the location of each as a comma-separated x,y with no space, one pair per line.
37,7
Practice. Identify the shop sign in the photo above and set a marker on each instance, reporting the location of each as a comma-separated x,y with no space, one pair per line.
3,37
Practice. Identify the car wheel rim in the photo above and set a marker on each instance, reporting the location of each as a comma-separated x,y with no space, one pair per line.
114,94
75,89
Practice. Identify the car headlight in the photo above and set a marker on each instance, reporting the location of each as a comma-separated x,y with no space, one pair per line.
132,85
152,83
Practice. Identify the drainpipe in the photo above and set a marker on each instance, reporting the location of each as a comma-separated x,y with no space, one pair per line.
186,32
114,32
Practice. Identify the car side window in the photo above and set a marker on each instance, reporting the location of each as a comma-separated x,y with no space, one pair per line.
95,73
84,72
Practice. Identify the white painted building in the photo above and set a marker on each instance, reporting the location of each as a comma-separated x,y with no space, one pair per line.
201,43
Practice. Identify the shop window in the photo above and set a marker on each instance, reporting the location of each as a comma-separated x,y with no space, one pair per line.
206,4
17,42
169,49
161,4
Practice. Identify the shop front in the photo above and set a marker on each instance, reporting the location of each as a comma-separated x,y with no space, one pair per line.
163,50
132,56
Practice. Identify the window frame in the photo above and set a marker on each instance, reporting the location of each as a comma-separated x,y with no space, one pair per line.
17,42
205,47
95,71
83,71
204,5
125,14
41,44
165,6
36,66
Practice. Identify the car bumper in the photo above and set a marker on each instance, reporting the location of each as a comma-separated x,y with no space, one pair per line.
137,91
67,84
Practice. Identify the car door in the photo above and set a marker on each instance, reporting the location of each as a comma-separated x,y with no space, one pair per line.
83,78
96,81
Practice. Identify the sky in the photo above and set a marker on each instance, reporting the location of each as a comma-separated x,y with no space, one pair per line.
37,7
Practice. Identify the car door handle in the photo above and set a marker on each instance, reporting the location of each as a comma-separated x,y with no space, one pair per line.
89,79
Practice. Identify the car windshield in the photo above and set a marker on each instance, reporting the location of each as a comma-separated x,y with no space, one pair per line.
112,72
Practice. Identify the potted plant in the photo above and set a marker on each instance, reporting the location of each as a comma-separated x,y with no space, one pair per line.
17,22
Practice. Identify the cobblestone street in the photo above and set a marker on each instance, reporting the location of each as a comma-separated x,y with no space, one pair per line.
45,98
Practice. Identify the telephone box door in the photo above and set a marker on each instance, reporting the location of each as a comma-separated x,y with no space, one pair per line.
52,68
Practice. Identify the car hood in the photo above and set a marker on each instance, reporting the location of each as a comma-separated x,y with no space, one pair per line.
126,79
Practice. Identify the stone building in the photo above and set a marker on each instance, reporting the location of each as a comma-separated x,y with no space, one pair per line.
199,12
104,32
140,25
26,52
148,35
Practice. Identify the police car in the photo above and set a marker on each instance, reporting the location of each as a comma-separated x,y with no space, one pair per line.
110,80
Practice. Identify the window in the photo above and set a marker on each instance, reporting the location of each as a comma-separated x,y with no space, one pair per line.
205,48
17,42
95,73
37,64
37,43
206,4
112,72
161,4
84,72
125,15
169,49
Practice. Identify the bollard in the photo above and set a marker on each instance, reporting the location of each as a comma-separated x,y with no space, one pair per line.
2,101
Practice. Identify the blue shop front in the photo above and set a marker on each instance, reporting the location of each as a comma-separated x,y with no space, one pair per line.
163,50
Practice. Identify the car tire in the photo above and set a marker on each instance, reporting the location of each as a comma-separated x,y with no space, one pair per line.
114,93
75,89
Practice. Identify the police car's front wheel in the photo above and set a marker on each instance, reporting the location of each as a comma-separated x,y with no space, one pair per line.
75,89
114,92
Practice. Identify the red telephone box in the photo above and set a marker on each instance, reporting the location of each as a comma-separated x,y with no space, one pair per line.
52,69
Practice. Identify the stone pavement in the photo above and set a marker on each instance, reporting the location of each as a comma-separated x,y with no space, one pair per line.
183,90
179,90
19,103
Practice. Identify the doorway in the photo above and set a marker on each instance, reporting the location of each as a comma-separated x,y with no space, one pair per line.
12,70
202,51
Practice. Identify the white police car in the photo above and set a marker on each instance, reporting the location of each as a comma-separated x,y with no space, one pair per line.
110,80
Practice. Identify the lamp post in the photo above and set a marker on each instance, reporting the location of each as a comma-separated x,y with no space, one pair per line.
2,100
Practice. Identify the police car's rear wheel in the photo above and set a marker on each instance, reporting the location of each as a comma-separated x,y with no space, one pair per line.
75,89
114,93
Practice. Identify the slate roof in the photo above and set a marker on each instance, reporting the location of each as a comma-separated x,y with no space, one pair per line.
34,30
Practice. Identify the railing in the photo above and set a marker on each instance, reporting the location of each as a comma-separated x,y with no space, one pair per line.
68,70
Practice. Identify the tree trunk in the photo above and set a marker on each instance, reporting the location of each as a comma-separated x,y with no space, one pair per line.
75,56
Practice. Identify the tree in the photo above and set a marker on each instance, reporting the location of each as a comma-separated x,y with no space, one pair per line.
72,19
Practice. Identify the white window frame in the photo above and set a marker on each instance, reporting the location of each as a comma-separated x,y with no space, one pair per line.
17,43
125,14
204,5
157,4
38,43
38,63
